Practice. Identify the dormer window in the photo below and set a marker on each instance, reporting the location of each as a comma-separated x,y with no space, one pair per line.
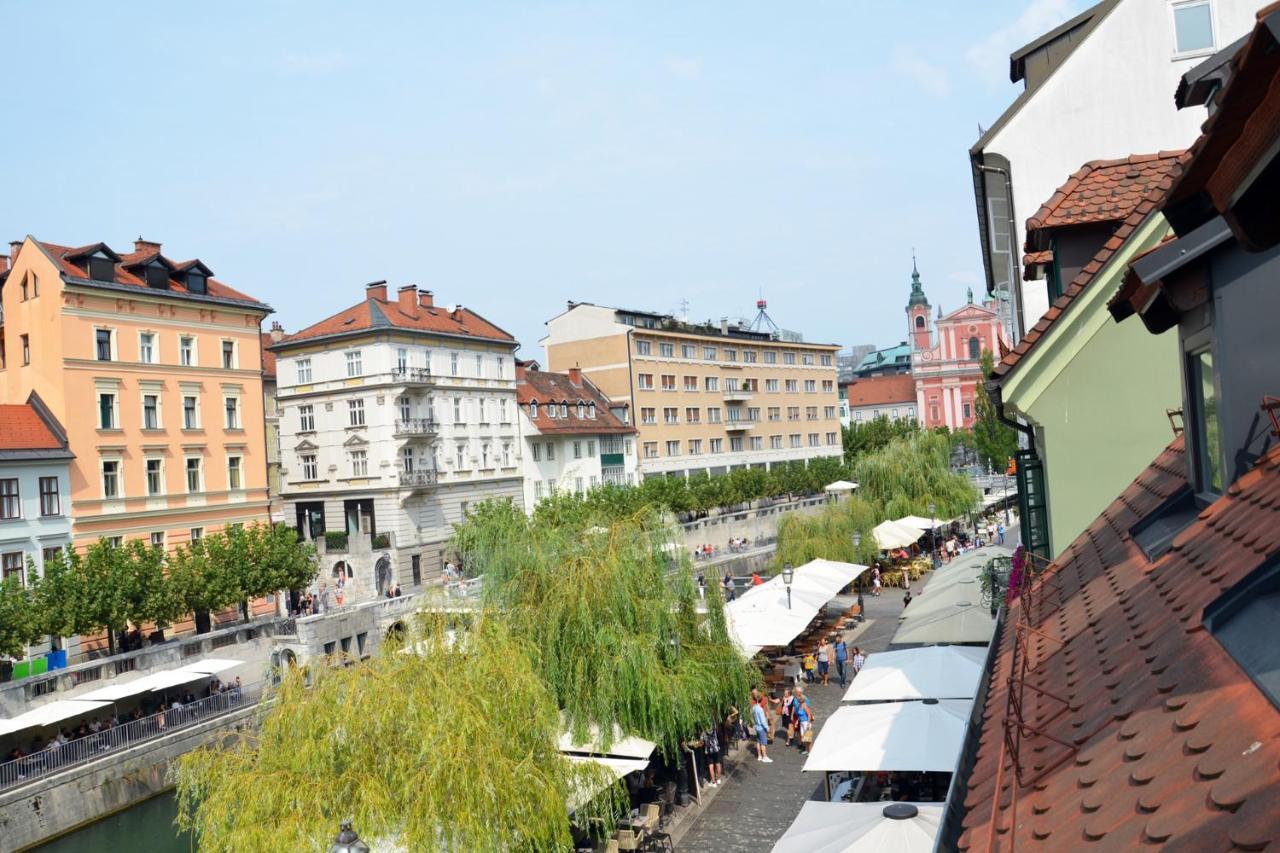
564,410
196,282
1205,431
157,277
591,411
581,410
533,409
101,269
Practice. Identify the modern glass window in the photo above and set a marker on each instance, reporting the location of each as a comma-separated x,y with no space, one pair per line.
1207,435
147,347
1193,26
194,472
187,351
102,338
309,469
355,363
50,499
110,478
190,413
231,405
306,419
304,371
10,502
228,355
107,411
355,413
359,463
155,477
234,480
151,411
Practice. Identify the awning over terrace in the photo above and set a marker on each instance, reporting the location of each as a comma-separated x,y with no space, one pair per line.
895,534
929,672
50,714
924,736
761,616
862,828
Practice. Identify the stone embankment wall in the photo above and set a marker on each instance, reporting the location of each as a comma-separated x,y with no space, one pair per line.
754,523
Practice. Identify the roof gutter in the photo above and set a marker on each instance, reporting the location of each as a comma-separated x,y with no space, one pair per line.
994,391
1015,295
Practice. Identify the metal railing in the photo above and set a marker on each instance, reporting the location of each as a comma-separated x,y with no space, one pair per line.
415,426
52,759
411,375
417,478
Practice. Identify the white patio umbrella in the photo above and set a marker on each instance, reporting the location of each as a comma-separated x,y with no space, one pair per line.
892,534
921,522
762,616
923,736
862,828
840,487
930,672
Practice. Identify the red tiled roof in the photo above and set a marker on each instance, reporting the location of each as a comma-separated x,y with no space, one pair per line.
1031,260
1103,191
1154,195
61,254
1162,740
22,428
375,313
881,390
546,387
268,357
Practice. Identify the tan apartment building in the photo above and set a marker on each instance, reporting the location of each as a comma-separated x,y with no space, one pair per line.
704,397
155,370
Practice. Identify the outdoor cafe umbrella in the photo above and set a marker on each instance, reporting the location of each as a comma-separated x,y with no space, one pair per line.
923,736
862,828
892,534
929,672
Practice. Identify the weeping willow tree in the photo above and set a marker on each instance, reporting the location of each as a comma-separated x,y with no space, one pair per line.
829,534
452,747
908,474
611,613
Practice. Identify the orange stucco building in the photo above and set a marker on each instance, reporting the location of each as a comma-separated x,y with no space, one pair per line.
155,369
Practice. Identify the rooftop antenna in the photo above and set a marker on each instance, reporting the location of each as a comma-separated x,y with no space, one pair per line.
763,322
684,310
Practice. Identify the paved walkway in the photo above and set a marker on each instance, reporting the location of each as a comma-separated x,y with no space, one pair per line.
759,801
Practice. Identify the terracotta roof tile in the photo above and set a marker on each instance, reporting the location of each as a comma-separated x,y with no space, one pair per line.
1103,191
1168,741
22,428
1154,195
387,313
881,390
546,387
1031,260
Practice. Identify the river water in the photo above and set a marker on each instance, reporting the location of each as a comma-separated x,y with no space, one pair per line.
147,826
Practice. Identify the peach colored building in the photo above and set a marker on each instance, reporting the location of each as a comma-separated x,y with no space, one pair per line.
155,369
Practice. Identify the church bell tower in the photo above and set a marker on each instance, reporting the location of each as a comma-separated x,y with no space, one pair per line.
918,312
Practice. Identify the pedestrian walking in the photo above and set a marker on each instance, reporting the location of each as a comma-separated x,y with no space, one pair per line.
842,656
702,585
761,725
824,660
756,580
711,752
1000,533
727,583
785,715
810,665
802,712
859,660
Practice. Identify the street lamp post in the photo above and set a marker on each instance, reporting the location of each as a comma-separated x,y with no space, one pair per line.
1006,497
347,841
788,574
933,533
857,546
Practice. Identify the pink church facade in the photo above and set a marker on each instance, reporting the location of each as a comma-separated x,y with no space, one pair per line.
947,365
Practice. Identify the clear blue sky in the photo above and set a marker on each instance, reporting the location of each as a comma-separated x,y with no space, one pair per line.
512,156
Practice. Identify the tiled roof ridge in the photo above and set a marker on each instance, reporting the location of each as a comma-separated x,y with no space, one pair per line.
1064,192
1087,273
375,313
1159,737
548,387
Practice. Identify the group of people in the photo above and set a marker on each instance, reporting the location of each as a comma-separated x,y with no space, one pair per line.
816,665
791,712
990,533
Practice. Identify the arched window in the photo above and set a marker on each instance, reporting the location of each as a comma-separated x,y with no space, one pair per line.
919,321
975,348
533,409
582,410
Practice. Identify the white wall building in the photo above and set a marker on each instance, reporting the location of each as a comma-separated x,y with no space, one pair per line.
572,442
396,415
1097,87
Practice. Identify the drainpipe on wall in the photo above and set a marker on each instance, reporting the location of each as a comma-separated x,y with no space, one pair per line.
1015,291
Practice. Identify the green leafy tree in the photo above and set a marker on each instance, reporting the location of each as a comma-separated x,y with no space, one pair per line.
59,596
451,748
201,590
18,623
908,474
995,442
863,437
107,589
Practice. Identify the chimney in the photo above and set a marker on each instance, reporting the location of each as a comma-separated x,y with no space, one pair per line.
575,376
407,298
277,332
425,299
522,369
4,263
376,290
147,246
14,248
724,325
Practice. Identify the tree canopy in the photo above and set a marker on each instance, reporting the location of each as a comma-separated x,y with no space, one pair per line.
995,442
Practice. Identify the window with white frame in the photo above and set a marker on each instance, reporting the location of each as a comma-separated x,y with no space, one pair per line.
355,413
355,362
691,383
695,447
484,455
712,383
591,411
807,359
10,500
310,471
235,480
533,409
402,360
155,476
771,386
564,410
651,449
502,411
190,411
673,448
304,370
104,341
195,474
668,382
359,463
713,414
644,381
537,451
187,350
666,350
50,497
147,348
457,410
1193,29
506,454
792,386
479,366
551,451
501,367
460,457
107,415
648,415
231,406
644,348
709,353
770,357
687,350
306,418
788,358
11,566
453,364
151,411
775,442
402,403
757,442
229,355
582,410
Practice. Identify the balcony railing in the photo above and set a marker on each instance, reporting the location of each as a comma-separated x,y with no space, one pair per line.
411,375
417,479
20,771
737,395
415,428
738,425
